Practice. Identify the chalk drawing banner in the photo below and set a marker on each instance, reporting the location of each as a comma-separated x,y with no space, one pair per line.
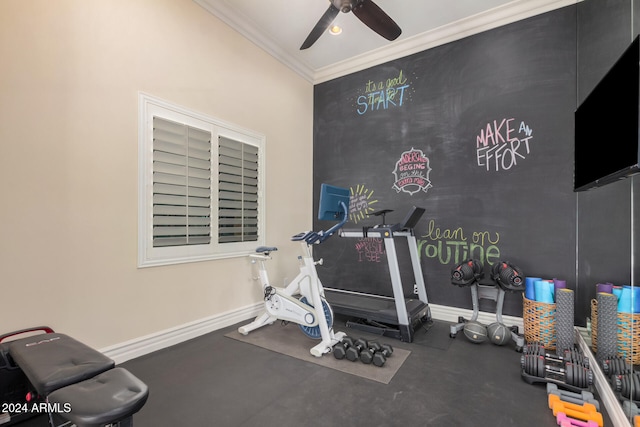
412,172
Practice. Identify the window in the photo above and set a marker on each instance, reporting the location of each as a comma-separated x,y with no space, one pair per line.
200,186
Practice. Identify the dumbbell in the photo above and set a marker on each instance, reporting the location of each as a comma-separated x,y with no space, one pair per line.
353,352
386,349
555,393
376,353
630,409
584,412
564,421
615,365
553,398
627,384
340,349
571,373
584,395
567,356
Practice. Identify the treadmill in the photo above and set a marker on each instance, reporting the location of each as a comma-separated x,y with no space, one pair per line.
396,316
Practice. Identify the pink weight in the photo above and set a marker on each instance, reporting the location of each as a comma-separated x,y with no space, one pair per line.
564,421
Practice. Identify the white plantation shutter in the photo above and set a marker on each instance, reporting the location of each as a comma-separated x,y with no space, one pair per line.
237,191
181,184
200,186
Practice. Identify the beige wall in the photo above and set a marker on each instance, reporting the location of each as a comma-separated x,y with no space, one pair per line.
70,74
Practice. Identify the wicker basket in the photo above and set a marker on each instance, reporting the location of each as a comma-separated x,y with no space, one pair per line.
629,337
539,320
628,334
594,326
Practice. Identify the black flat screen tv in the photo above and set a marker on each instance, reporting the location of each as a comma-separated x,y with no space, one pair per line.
606,125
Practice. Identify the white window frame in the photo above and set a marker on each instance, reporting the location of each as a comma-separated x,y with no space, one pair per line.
148,255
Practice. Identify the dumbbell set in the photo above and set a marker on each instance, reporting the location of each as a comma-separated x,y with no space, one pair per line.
627,385
572,356
571,369
368,352
624,381
568,379
573,409
615,365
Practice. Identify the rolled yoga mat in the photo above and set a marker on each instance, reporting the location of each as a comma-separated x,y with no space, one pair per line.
558,283
544,291
565,334
529,287
617,291
625,300
604,287
607,326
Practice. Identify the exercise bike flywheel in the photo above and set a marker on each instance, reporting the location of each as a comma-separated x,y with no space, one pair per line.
314,331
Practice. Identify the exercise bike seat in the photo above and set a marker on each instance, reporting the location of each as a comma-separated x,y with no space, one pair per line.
115,396
52,361
266,249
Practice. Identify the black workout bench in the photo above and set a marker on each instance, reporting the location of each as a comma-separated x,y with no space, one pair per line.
67,380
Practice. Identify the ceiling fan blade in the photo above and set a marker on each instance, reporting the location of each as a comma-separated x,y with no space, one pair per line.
321,26
376,19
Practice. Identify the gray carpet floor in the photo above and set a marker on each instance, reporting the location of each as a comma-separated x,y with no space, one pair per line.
288,339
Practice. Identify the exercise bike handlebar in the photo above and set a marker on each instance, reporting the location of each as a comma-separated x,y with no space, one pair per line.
337,226
311,237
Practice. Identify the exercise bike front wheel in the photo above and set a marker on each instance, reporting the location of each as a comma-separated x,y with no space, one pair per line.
314,331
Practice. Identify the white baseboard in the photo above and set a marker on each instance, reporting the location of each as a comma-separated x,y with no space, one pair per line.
147,344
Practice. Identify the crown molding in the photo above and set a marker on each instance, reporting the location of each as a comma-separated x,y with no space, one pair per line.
499,16
247,27
494,18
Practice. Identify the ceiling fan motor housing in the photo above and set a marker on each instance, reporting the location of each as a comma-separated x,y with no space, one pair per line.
344,6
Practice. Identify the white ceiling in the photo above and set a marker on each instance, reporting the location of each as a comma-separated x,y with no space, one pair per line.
280,27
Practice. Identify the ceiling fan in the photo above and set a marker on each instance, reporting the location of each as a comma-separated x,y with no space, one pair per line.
365,10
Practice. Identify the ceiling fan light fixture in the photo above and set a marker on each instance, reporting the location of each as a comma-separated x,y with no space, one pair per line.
365,10
335,30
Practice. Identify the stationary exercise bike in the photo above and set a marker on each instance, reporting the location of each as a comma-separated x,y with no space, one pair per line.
302,301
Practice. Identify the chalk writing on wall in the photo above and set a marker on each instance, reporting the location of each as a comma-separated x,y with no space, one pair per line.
499,145
370,249
361,203
454,245
412,172
384,94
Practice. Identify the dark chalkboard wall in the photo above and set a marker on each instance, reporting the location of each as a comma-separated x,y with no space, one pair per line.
479,132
